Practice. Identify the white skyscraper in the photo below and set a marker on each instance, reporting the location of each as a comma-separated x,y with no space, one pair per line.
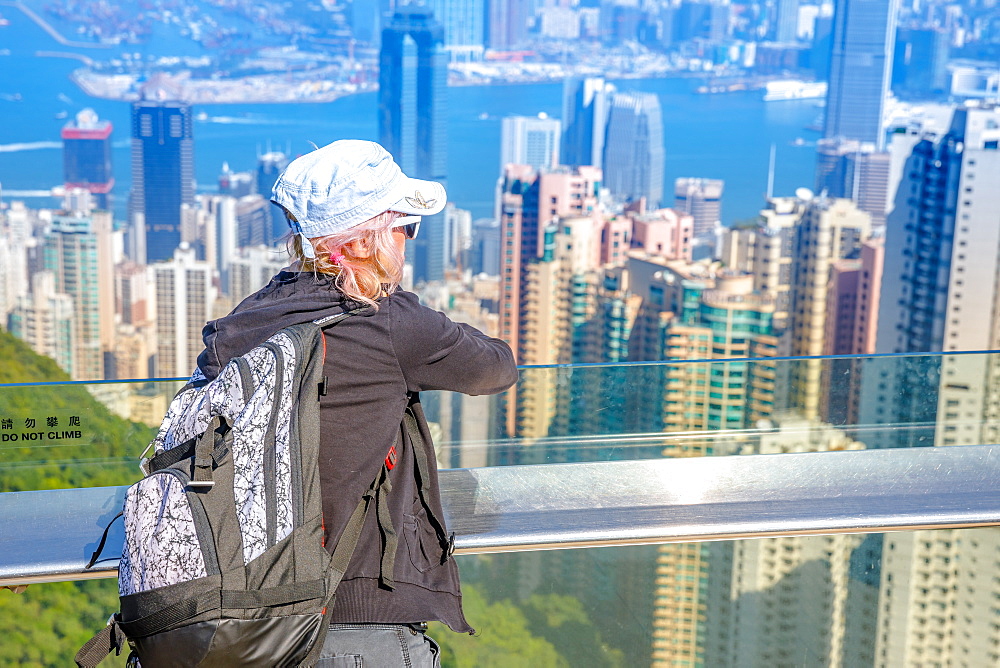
252,268
702,198
184,299
13,273
458,236
44,320
530,140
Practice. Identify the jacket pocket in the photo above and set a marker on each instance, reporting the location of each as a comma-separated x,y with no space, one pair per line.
422,543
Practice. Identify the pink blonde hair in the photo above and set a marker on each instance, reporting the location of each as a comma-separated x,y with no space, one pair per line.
360,279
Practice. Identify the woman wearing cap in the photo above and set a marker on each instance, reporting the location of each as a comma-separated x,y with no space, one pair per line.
351,210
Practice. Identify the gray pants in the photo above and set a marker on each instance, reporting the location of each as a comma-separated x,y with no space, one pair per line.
378,646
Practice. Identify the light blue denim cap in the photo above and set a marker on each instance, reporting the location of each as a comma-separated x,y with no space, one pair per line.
343,184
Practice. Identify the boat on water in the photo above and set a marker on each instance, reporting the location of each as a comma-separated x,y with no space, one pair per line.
793,89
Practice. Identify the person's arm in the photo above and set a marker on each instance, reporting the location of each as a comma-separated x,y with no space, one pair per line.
436,353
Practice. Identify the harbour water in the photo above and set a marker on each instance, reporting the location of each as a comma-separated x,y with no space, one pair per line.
725,136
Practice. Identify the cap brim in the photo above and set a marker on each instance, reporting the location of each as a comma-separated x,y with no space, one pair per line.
421,198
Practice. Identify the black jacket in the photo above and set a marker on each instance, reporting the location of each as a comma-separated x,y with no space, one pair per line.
377,361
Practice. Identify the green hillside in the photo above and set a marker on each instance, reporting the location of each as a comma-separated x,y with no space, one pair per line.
104,455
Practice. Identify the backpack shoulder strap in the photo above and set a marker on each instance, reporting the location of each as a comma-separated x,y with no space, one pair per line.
417,444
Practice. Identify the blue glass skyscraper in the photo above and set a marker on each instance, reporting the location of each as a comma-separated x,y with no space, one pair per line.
462,21
864,33
633,148
585,118
412,107
162,171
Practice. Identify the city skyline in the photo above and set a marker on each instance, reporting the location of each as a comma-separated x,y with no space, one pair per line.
581,256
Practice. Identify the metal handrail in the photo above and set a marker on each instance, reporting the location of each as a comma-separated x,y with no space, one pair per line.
49,535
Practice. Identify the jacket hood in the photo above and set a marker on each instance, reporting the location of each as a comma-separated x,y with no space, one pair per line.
289,299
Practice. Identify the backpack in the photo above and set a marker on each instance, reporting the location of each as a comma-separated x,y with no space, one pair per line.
224,562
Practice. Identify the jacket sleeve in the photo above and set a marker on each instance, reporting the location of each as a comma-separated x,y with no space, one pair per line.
436,353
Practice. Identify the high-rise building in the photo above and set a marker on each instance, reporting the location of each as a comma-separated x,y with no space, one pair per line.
851,326
184,299
585,106
702,19
412,106
253,220
729,320
162,170
920,62
462,21
938,287
269,166
530,140
864,34
827,230
486,246
766,253
457,236
666,233
633,150
13,273
252,268
683,310
942,239
559,23
507,24
702,198
44,319
786,21
821,51
790,256
221,234
855,170
132,295
934,580
135,338
87,156
78,253
530,202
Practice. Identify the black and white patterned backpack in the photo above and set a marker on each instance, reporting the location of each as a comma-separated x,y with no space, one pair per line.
224,562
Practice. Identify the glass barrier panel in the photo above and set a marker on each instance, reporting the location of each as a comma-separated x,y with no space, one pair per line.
62,435
722,407
91,434
896,599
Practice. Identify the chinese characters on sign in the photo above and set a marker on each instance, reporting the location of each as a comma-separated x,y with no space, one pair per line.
28,428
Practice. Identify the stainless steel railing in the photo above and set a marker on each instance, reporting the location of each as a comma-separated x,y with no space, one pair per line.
49,535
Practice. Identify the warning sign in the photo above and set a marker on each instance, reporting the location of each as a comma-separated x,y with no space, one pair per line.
57,427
